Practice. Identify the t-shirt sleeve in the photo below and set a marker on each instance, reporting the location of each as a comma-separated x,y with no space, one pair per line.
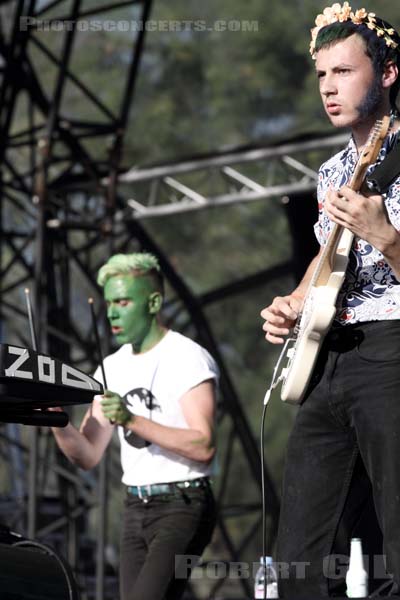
195,365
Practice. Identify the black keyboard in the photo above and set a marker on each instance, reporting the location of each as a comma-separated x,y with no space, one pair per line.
32,380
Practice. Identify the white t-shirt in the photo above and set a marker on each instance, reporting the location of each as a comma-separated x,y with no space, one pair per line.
152,384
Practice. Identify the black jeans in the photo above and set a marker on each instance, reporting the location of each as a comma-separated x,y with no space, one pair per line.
351,413
154,533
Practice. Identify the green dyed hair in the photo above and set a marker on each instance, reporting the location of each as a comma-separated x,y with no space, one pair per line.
139,264
376,48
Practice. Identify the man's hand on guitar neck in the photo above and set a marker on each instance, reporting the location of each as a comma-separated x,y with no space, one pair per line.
280,317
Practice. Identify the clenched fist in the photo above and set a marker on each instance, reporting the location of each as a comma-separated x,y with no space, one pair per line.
114,409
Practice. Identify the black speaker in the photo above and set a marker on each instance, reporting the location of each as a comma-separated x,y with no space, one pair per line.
33,571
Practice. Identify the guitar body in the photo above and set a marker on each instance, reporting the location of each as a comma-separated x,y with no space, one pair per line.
319,306
303,355
318,314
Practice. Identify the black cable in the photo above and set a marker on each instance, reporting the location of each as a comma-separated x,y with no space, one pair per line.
264,525
274,382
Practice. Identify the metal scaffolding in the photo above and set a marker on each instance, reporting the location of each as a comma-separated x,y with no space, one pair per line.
278,170
64,209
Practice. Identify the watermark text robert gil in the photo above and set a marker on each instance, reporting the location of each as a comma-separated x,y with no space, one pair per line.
333,566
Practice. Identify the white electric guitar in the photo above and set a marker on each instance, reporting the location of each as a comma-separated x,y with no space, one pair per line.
319,308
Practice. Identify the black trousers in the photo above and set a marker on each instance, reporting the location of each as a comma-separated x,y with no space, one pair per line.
155,533
351,413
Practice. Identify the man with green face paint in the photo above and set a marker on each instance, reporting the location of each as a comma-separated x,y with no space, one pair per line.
162,399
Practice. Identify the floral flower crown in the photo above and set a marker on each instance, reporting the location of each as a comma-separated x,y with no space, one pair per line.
335,13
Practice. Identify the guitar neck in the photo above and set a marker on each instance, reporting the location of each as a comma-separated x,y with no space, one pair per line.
325,263
338,233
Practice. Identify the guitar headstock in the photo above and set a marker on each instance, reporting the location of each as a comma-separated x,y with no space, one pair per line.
371,149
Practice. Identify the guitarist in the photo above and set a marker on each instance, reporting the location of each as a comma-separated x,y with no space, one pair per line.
348,425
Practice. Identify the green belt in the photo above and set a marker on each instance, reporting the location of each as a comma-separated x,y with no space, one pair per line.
156,489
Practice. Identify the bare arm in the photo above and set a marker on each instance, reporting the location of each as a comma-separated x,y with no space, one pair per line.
85,447
195,443
281,315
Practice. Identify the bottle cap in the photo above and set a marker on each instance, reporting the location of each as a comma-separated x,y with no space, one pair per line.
266,560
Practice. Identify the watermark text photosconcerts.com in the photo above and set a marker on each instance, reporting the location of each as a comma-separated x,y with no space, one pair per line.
121,25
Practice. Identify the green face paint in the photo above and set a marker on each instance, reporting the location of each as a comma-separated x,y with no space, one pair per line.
130,313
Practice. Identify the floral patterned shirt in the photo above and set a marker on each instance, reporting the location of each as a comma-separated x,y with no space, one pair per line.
370,291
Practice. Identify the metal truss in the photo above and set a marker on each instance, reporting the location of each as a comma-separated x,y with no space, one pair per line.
65,206
44,143
237,176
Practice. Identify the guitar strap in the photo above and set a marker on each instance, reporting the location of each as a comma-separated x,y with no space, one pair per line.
383,176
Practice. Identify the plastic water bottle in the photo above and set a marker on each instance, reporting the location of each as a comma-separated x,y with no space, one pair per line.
357,576
271,579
